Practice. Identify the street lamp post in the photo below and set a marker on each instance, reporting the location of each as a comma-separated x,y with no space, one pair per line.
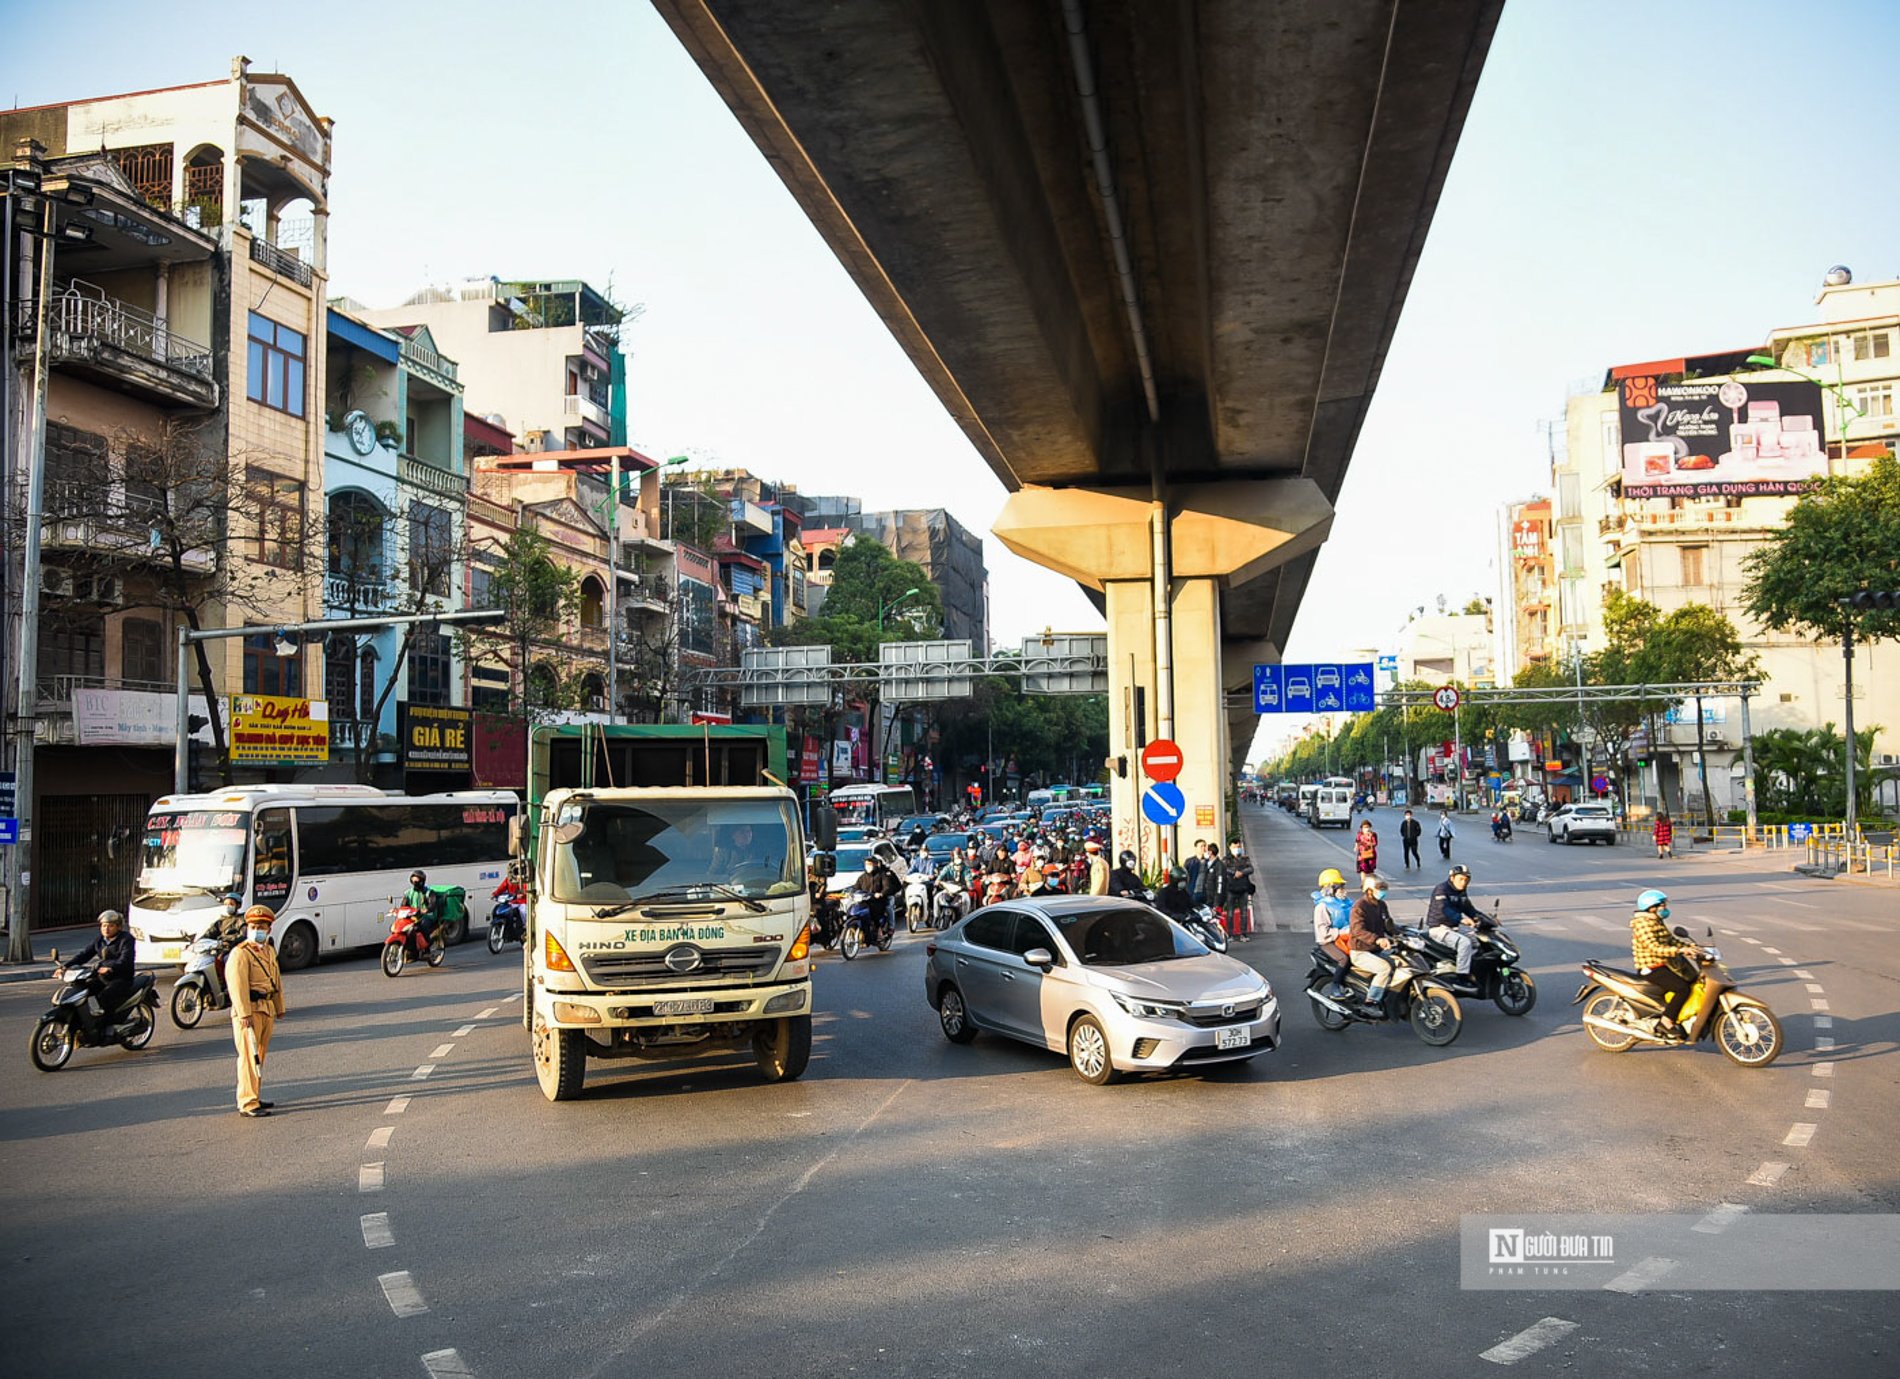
884,608
879,747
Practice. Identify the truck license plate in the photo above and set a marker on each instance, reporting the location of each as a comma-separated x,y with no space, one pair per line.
698,1005
177,950
1236,1038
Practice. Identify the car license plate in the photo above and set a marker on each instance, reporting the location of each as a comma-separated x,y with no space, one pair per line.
1236,1038
698,1005
172,950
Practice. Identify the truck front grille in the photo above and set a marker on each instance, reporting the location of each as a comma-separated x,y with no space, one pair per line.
623,970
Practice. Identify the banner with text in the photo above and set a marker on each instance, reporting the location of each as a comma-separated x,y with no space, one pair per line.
1720,438
435,737
267,730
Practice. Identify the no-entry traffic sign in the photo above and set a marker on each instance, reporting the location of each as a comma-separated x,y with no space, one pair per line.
1161,760
1446,697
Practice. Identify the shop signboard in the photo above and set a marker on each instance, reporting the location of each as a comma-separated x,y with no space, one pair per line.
270,730
1720,437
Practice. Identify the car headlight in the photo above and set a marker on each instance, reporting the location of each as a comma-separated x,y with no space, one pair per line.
1151,1010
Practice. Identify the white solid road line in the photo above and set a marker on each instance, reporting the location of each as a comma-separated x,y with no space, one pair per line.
400,1289
489,1013
1720,1219
446,1364
1800,1134
467,1030
1528,1341
422,1073
1644,1275
1818,1098
369,1178
444,1050
379,1137
1767,1175
397,1106
376,1232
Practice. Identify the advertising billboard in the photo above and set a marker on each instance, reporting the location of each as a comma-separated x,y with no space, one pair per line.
1720,437
435,737
270,729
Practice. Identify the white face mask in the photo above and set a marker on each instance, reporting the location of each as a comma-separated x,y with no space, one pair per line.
257,935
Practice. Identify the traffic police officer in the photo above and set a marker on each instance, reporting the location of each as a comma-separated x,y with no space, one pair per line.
257,1004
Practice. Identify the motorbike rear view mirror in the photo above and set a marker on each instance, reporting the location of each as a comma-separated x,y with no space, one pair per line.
1040,957
56,957
1680,932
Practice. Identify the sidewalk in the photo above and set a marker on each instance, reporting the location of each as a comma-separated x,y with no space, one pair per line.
68,941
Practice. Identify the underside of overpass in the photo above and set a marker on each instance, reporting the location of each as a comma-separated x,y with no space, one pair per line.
1141,249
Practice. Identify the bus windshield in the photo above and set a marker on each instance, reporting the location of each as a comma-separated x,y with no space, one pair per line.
192,852
624,851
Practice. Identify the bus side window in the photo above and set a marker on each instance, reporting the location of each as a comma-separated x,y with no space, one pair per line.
270,859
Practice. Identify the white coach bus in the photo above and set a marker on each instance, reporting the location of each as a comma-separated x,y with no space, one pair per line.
326,858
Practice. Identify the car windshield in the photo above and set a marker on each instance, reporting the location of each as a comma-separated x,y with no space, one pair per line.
1591,811
628,850
193,851
942,844
852,859
1126,934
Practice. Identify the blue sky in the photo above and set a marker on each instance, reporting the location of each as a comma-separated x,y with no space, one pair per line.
1635,180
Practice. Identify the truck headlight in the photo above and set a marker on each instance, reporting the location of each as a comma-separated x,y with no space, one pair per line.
784,1001
576,1014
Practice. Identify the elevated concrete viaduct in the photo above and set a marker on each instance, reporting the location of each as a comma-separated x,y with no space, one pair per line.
1150,254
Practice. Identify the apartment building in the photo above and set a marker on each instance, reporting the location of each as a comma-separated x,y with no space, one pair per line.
1524,611
184,300
949,553
541,358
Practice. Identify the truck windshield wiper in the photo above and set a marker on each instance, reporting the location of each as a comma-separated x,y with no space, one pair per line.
685,892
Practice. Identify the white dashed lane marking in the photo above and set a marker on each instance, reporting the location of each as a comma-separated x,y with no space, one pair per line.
1823,1042
1756,941
1528,1341
376,1232
1818,1002
1799,1135
1798,904
1815,988
1776,951
369,1178
467,1030
379,1137
1824,1070
1787,962
397,1106
489,1013
404,1298
444,1050
1644,1275
1767,1175
446,1364
1720,1219
1818,1098
421,1074
1802,972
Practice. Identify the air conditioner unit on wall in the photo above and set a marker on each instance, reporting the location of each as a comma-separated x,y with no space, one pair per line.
57,583
1887,759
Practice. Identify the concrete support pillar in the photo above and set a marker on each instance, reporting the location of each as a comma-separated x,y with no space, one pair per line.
1221,534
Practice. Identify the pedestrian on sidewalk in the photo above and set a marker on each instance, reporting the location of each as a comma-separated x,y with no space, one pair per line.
1365,849
1445,834
1237,876
257,1004
1665,833
1409,831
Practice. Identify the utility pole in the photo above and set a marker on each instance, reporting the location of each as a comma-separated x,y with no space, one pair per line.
613,588
1851,827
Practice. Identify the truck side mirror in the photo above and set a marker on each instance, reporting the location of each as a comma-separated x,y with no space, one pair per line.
514,835
824,828
824,864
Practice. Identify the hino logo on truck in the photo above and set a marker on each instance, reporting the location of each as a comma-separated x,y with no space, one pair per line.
683,959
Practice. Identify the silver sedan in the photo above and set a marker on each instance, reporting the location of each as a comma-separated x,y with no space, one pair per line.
1114,984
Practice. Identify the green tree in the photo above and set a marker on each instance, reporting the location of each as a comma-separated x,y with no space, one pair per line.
540,598
867,578
1841,538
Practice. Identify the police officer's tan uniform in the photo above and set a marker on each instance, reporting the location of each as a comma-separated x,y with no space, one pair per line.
257,1002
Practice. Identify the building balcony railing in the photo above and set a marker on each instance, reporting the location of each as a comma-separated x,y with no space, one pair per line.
577,405
96,334
356,593
56,691
429,362
419,473
283,264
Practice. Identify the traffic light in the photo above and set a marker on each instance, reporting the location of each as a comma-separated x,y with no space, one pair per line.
194,722
1874,598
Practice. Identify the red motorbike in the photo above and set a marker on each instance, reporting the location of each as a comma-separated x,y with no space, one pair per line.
408,943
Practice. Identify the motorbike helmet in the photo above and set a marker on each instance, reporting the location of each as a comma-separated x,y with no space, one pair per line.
1331,877
1127,859
418,877
1459,869
232,898
1651,899
1177,875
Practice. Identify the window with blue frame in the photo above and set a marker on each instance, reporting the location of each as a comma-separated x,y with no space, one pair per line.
276,373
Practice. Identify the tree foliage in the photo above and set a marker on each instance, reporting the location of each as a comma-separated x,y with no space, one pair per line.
1841,538
1803,771
540,597
868,579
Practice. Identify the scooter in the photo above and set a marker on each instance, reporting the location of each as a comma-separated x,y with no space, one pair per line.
917,895
508,922
953,903
1501,830
859,928
72,1023
998,886
1495,974
407,943
202,987
1206,926
1414,996
1622,1009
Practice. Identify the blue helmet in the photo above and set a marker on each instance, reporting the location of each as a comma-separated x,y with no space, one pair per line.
1650,899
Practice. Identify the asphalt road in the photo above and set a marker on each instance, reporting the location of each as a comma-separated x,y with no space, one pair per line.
915,1208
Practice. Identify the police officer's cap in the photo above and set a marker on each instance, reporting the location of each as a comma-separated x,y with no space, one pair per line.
260,914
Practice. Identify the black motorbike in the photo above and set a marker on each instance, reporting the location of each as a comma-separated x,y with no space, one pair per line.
1415,995
1495,974
865,923
74,1022
827,919
202,988
508,921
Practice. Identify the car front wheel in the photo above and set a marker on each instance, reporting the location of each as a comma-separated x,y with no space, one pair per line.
1088,1052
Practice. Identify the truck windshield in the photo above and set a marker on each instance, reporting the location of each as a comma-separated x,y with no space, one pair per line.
635,850
195,850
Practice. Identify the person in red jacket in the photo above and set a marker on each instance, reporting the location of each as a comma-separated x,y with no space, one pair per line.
1365,849
1665,835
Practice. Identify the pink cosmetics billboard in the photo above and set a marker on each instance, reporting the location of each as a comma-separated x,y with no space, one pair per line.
1720,438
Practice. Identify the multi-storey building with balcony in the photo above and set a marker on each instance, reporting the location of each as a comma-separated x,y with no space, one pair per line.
182,384
1673,551
396,522
544,357
1524,614
949,553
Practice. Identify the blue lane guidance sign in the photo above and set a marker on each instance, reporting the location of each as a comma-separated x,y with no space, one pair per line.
1322,687
1163,803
